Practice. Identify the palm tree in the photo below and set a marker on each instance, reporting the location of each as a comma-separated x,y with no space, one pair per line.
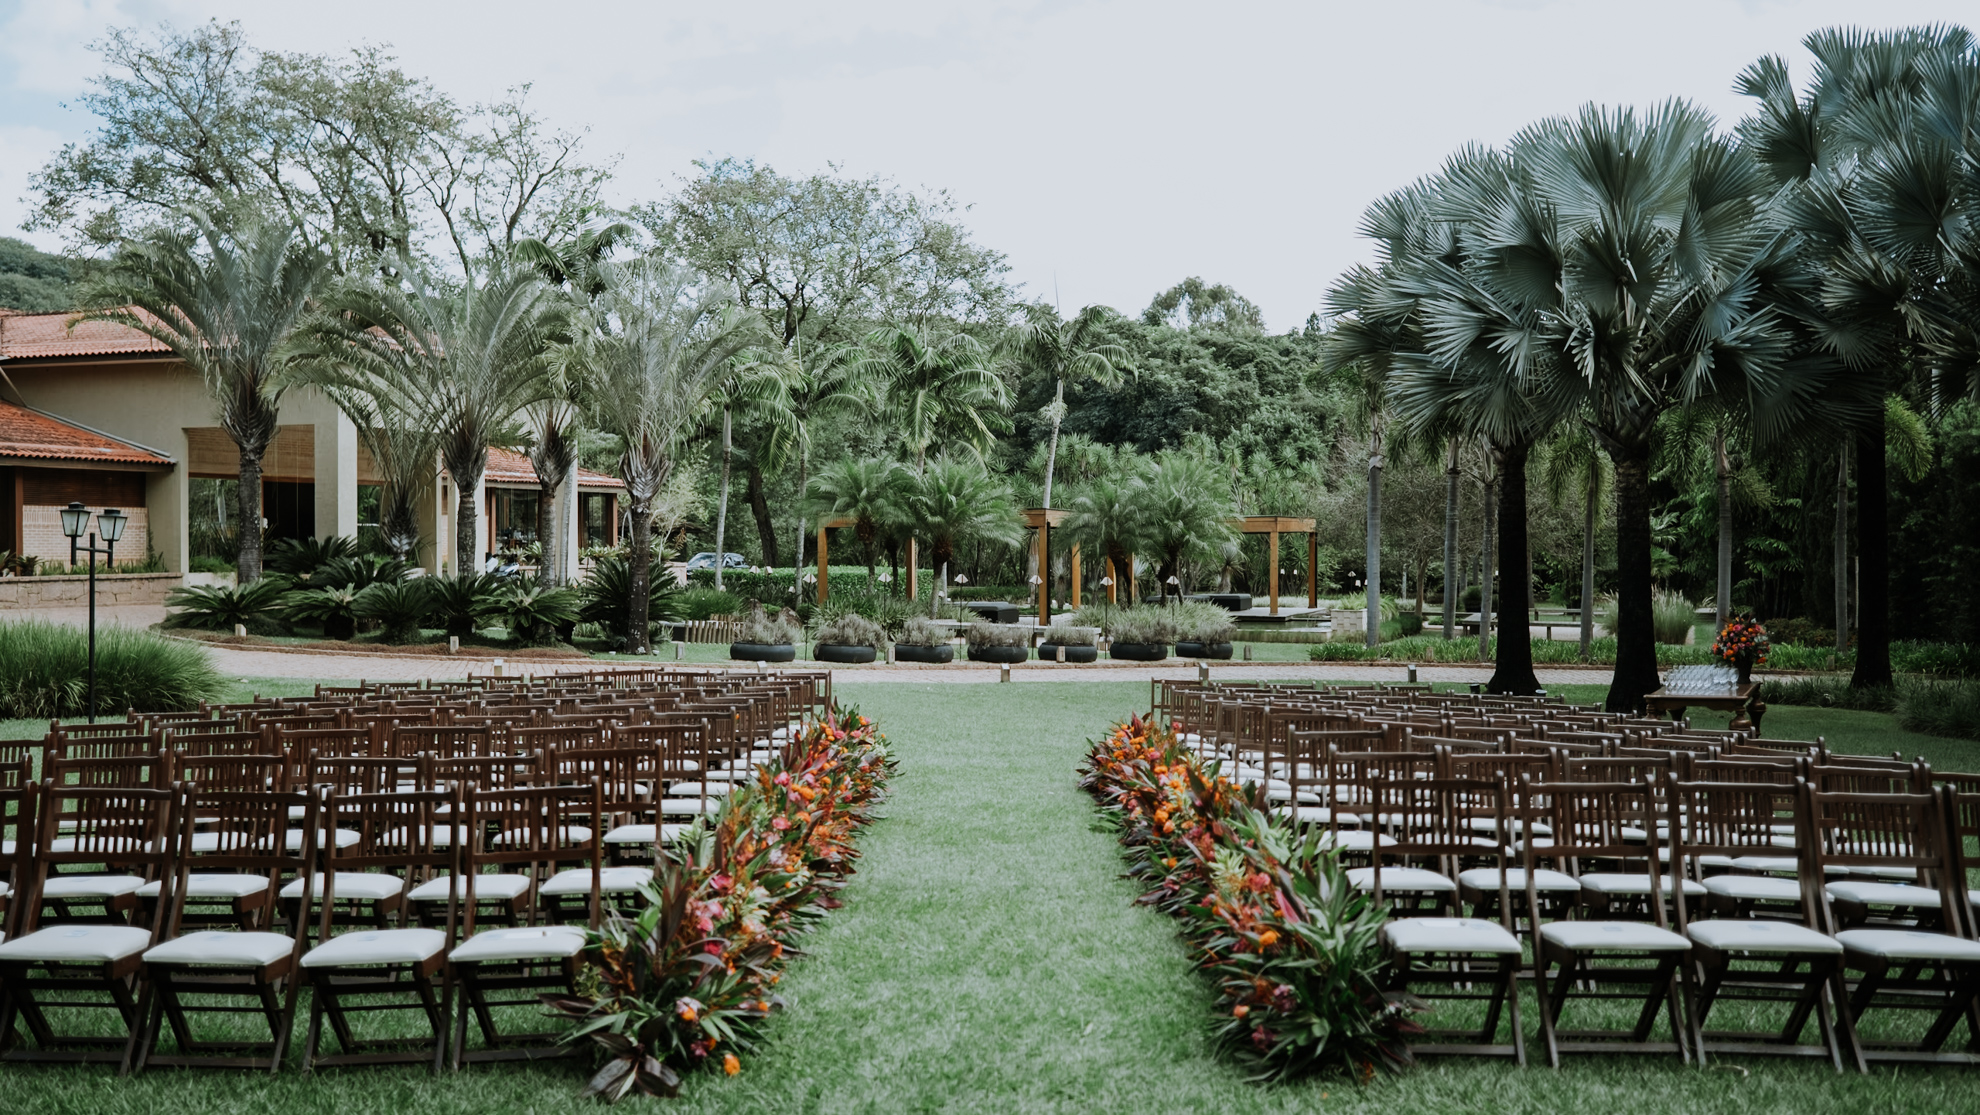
226,303
952,501
835,383
468,364
940,389
1044,344
867,490
1185,513
402,449
651,347
1106,516
752,384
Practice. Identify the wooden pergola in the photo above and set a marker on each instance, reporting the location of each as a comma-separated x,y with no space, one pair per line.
1273,526
1042,520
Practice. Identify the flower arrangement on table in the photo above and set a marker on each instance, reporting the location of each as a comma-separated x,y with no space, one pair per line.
687,982
1269,913
1742,644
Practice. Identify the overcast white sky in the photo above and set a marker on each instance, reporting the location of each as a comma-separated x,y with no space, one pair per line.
1109,147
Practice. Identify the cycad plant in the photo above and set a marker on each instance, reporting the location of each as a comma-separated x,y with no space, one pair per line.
867,490
461,605
957,500
398,607
334,609
535,612
224,607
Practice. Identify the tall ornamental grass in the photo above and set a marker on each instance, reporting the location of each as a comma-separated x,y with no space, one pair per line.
44,670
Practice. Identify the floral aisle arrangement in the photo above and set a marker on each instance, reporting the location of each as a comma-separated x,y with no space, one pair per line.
688,981
1742,644
1269,914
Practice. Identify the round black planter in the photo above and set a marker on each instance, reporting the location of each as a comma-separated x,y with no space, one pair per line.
935,655
762,652
999,654
1139,652
1049,652
1203,650
834,652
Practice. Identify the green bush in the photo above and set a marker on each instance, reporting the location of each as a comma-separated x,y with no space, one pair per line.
1068,635
605,598
773,586
1954,660
461,605
1827,691
223,607
765,629
534,612
920,632
852,630
697,603
360,571
1150,623
997,635
398,607
44,669
1199,622
1409,624
1800,632
1939,708
890,612
333,609
212,565
298,558
1672,616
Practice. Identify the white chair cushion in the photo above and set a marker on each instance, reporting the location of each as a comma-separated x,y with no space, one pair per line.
376,946
90,886
1408,879
220,949
1874,871
694,789
1544,881
687,807
566,836
63,844
1629,882
78,944
492,887
1450,935
364,886
214,886
1739,935
292,840
1313,815
1894,944
1513,824
1622,936
611,880
1885,894
1354,840
1762,888
542,942
644,834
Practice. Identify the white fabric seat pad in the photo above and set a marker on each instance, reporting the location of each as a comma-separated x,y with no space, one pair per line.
1355,840
213,948
213,886
645,834
687,806
695,789
1474,935
542,942
1314,815
566,835
1408,879
367,886
77,944
91,886
1629,882
1885,894
490,887
1909,944
611,880
376,946
1741,935
439,836
1618,936
1762,888
1544,880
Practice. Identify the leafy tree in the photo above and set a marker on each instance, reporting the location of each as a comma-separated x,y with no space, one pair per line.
35,281
936,388
225,303
1185,514
952,501
1046,345
867,490
1193,302
1106,518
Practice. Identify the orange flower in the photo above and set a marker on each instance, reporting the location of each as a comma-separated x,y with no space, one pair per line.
730,1065
1268,938
1240,1011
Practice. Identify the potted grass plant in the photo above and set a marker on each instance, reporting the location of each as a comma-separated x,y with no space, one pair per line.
1203,630
996,642
1065,642
767,638
851,639
922,641
1140,634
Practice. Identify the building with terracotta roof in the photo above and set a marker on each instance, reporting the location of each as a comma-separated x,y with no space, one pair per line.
102,414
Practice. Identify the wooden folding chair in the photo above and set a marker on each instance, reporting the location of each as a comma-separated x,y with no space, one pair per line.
241,852
133,827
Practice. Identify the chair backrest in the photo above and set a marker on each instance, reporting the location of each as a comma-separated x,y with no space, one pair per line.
536,827
245,832
103,746
1593,820
1906,830
407,833
131,771
131,829
18,833
351,775
231,773
489,772
1696,768
1831,778
1735,818
1649,770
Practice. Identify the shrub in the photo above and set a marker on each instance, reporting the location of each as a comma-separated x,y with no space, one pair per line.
852,630
1409,624
44,669
1146,624
461,605
890,612
1800,632
781,629
1828,691
1069,635
1199,622
605,598
997,635
1957,660
211,565
333,609
920,632
298,558
697,603
360,571
534,612
222,607
399,607
1672,616
1939,708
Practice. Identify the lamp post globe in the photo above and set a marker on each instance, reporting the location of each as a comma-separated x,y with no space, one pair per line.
75,517
111,521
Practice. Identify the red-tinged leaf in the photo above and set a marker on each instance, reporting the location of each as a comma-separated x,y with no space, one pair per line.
610,1081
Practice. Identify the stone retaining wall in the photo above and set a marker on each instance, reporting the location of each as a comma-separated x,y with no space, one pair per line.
29,593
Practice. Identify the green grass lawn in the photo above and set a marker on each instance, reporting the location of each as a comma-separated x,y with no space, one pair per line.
989,958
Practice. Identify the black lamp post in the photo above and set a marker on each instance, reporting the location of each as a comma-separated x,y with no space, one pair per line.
75,518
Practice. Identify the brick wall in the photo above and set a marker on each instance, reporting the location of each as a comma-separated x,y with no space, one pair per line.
42,527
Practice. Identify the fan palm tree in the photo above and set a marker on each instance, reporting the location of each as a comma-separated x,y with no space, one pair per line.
650,349
940,389
1185,515
952,501
1047,345
467,365
226,302
867,490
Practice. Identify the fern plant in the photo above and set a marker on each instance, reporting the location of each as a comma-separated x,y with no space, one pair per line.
460,605
399,607
333,609
224,607
534,612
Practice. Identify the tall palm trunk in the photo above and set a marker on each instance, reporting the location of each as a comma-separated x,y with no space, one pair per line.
1052,451
797,559
1374,621
1636,643
722,504
553,457
1453,578
639,572
248,568
1588,509
1485,556
1722,465
467,472
1873,559
759,508
1514,672
1842,548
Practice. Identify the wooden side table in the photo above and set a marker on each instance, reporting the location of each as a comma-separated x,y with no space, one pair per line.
1743,702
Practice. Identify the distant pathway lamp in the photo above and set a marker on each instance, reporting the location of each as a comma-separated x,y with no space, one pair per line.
111,522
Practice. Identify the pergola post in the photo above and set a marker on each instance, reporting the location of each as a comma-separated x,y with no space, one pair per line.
913,572
1272,570
822,568
1113,580
1313,569
1130,579
1075,576
1044,572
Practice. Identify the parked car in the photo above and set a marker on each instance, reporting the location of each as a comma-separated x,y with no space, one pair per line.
706,560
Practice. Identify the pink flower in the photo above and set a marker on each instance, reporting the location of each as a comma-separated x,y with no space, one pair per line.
720,882
712,948
783,778
781,824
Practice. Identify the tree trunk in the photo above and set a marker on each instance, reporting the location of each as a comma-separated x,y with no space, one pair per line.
1514,672
722,503
1842,548
1723,467
467,514
797,562
1589,507
1485,565
1636,641
1052,452
248,567
1453,577
1422,571
1374,621
547,538
1873,559
759,508
639,571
